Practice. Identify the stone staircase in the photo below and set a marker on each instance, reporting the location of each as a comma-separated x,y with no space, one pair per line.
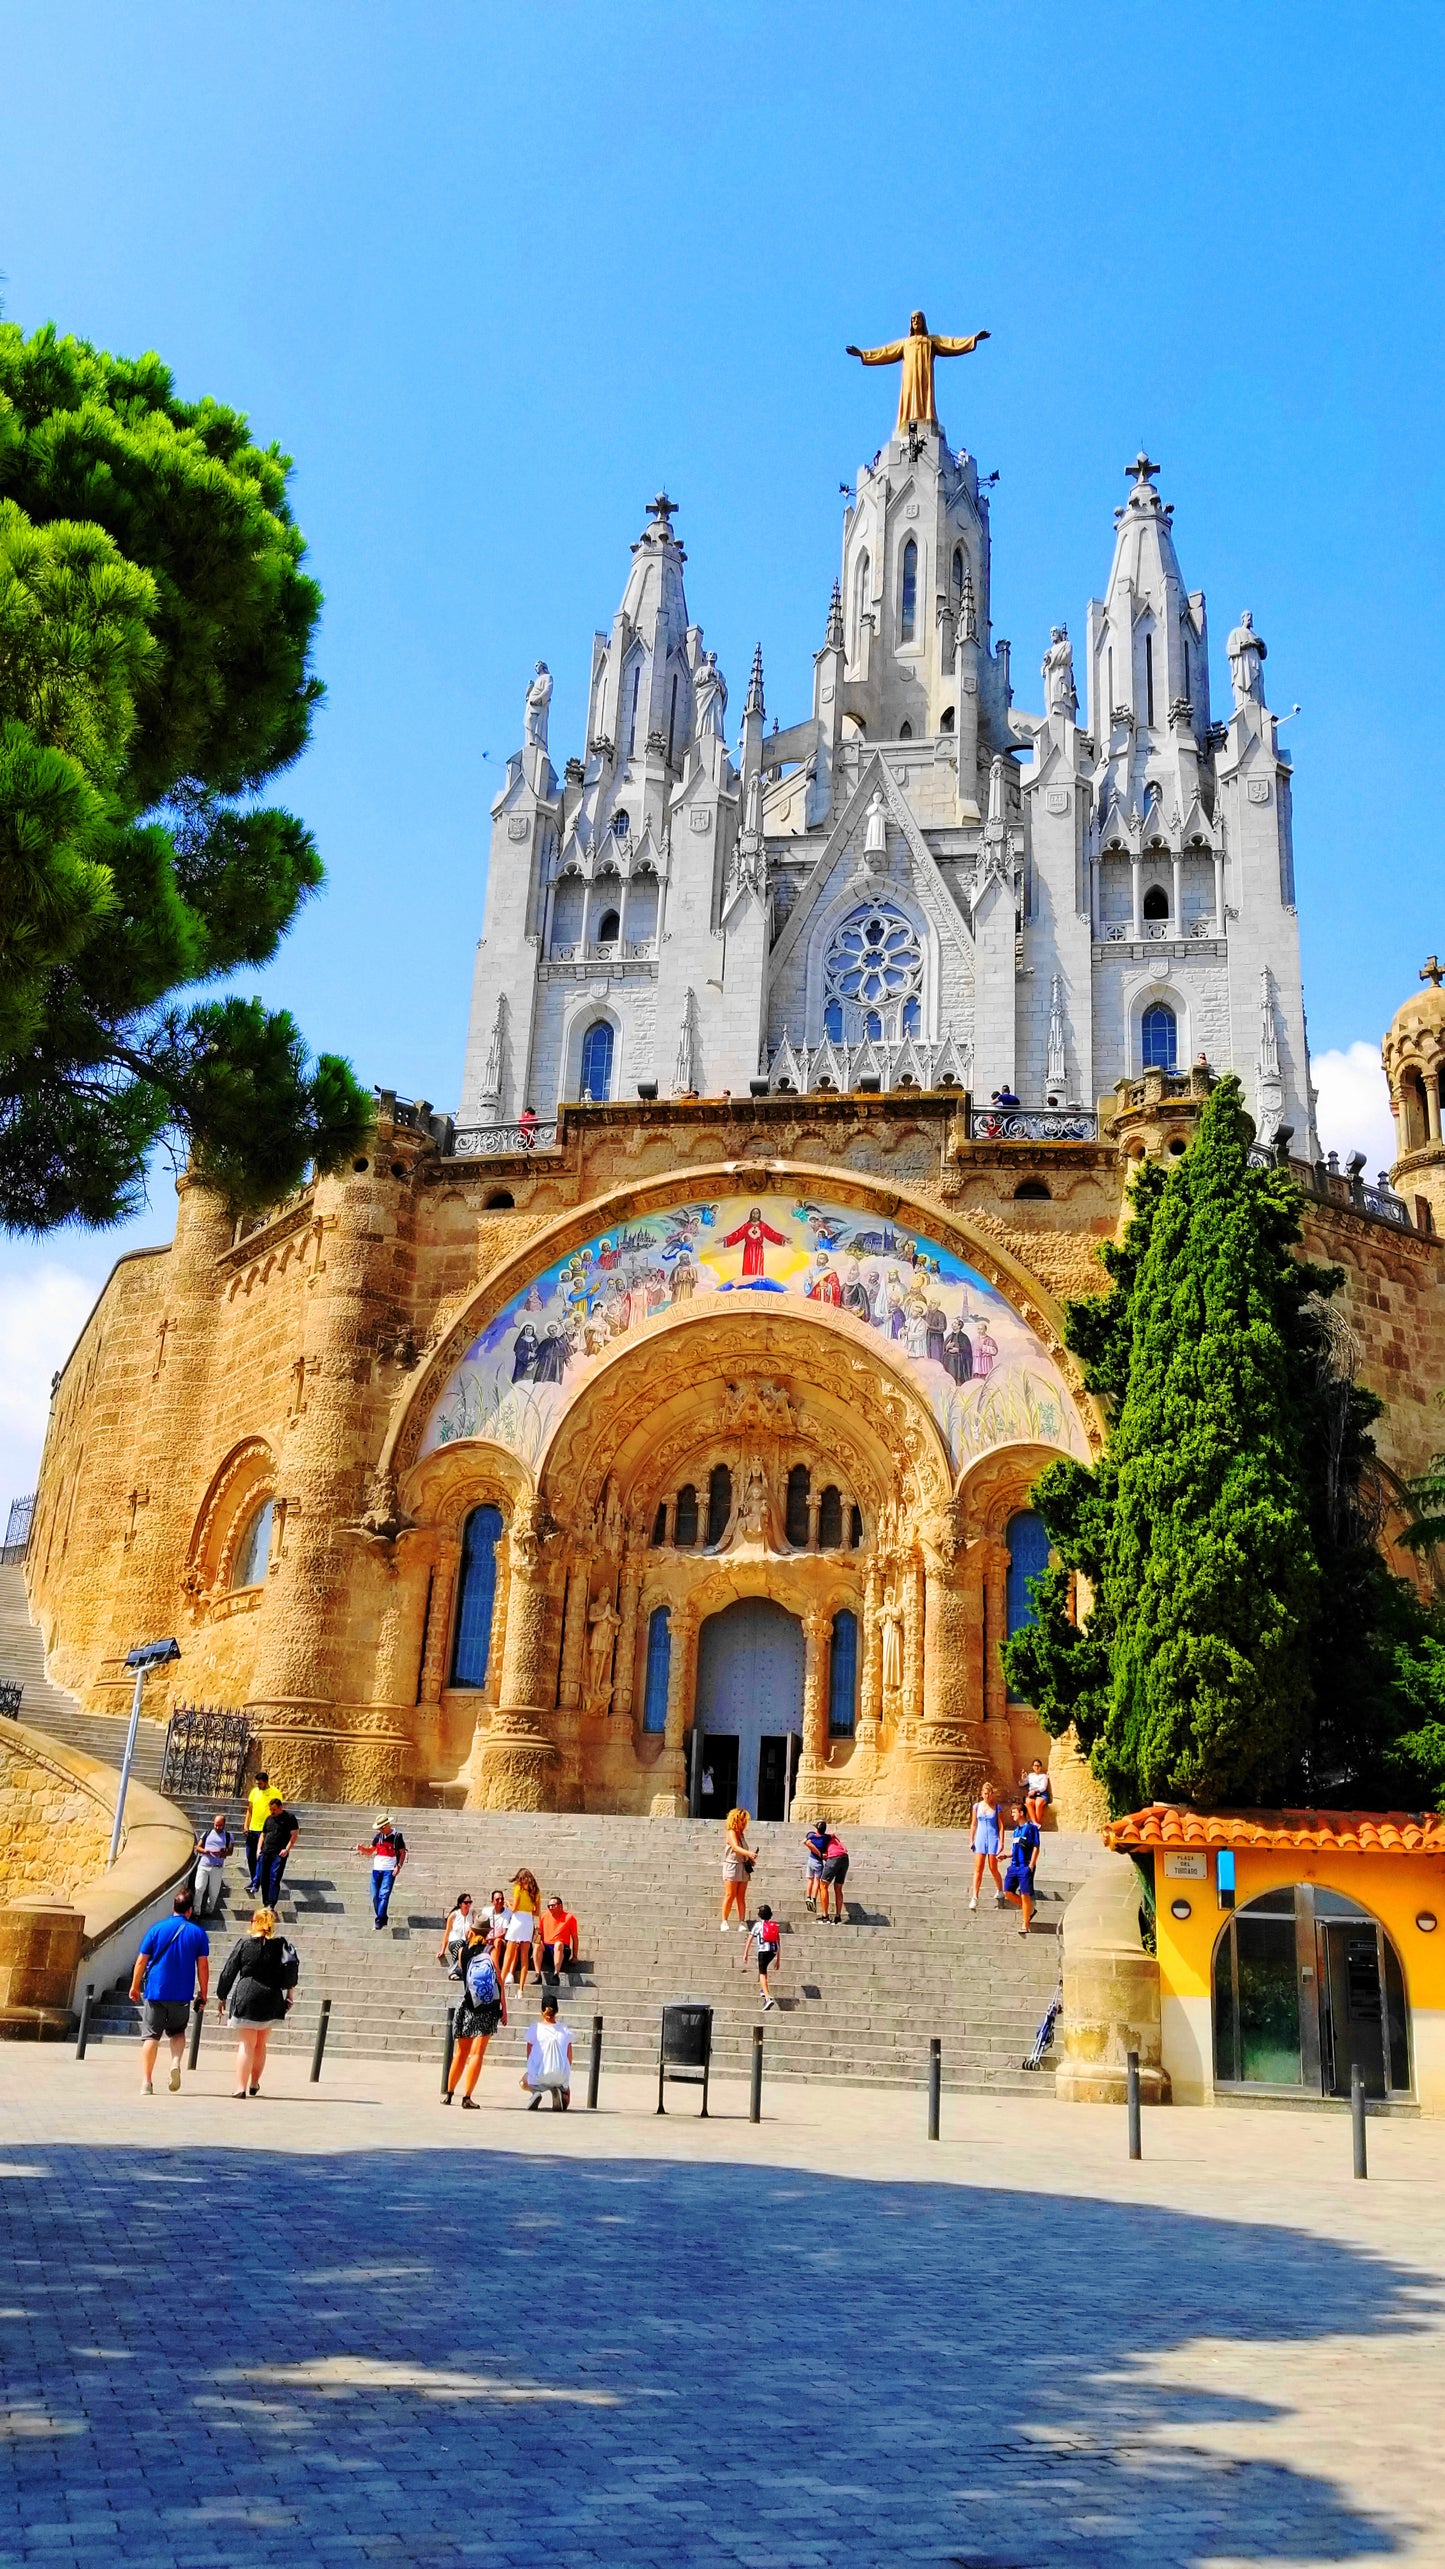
48,1708
856,2003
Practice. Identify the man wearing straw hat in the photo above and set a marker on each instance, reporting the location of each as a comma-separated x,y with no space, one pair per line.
387,1850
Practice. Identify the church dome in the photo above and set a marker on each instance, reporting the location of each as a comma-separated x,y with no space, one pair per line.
1423,1013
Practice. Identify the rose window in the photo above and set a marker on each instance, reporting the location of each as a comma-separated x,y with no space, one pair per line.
872,977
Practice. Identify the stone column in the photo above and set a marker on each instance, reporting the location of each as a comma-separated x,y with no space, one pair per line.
681,1673
913,1613
870,1705
1177,868
1136,894
517,1767
946,1763
1219,892
574,1632
624,1657
1431,1084
446,1563
810,1796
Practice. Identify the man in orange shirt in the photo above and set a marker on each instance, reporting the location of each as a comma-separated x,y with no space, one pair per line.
558,1936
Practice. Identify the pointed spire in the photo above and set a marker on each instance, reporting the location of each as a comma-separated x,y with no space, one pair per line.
833,638
967,611
754,701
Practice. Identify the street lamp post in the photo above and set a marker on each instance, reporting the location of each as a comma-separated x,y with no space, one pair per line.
151,1654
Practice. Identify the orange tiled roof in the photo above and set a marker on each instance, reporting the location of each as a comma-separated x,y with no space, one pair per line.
1171,1824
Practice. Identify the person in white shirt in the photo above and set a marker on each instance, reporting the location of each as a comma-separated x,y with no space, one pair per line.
211,1853
549,2061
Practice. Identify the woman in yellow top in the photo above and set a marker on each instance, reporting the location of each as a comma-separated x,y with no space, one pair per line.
738,1862
519,1952
258,1811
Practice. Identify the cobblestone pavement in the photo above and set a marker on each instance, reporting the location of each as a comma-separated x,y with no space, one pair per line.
346,2326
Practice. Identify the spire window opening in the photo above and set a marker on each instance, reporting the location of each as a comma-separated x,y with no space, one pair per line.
609,928
1159,1034
946,719
908,610
632,719
905,731
1156,902
671,718
597,1045
862,599
1149,678
957,574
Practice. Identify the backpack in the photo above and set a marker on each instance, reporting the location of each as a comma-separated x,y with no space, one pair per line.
483,1987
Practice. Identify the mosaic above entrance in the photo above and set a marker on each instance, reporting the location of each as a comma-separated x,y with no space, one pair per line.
985,1375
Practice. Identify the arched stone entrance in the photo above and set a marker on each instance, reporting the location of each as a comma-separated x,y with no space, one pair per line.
748,1709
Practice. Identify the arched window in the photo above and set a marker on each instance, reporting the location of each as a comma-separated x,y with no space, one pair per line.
659,1525
958,570
632,717
795,1513
908,603
1156,902
1033,1191
501,1200
945,719
1159,1037
597,1062
659,1668
855,1528
873,968
1028,1558
843,1675
905,731
830,1519
912,1019
621,824
609,928
684,1517
253,1552
476,1597
833,1021
719,1502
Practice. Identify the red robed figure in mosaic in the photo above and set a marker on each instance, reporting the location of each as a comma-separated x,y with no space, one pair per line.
752,1234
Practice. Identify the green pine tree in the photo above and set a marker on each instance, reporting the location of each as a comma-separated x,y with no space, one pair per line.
155,638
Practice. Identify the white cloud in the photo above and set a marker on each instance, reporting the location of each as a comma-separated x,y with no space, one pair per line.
1354,1105
43,1308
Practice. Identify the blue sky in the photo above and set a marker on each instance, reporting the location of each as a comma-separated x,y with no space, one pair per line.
493,274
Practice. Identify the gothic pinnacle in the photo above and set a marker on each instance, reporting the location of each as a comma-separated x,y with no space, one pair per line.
754,701
833,638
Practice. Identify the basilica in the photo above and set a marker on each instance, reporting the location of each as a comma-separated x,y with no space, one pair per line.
656,1431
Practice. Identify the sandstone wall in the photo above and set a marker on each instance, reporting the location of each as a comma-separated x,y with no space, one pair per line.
54,1832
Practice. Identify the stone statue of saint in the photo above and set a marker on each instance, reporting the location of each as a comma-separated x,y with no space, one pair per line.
1246,653
753,1507
603,1622
875,835
890,1626
711,697
539,697
1060,693
916,354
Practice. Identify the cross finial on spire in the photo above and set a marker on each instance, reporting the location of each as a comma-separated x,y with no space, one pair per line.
1433,972
1141,470
661,509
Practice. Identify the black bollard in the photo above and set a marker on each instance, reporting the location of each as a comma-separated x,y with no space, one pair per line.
1136,2136
447,2048
935,2084
755,2091
198,2018
594,2065
1357,2118
321,2033
83,2034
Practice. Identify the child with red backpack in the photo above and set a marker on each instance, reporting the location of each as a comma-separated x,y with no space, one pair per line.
765,1935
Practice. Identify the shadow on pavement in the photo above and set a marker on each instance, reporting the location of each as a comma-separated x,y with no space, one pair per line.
441,2357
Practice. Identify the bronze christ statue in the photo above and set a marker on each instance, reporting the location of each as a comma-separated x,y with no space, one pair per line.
917,352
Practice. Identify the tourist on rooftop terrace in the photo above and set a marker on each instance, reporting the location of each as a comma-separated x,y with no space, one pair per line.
258,1983
985,1842
519,1946
549,2060
387,1849
480,2010
172,1965
212,1849
816,1843
1018,1882
738,1861
835,1874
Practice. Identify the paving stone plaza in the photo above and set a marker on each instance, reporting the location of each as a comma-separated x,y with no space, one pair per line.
347,2326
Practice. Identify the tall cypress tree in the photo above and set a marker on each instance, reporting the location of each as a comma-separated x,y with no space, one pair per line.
1218,1621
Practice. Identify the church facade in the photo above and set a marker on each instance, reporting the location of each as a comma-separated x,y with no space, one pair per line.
658,1432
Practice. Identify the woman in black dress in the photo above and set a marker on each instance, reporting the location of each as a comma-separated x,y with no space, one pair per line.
258,1982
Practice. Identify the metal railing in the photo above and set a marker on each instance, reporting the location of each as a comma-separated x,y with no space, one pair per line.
10,1693
206,1750
1032,1124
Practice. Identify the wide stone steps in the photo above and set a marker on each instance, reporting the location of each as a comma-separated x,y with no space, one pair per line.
856,2003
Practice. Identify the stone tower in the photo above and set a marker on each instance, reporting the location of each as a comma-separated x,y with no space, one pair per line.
1414,1054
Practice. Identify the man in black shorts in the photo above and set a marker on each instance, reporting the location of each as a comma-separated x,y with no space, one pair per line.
833,1876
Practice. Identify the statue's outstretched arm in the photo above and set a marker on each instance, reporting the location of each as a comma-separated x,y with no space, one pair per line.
958,347
888,356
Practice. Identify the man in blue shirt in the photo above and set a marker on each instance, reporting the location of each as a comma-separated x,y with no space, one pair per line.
172,1967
